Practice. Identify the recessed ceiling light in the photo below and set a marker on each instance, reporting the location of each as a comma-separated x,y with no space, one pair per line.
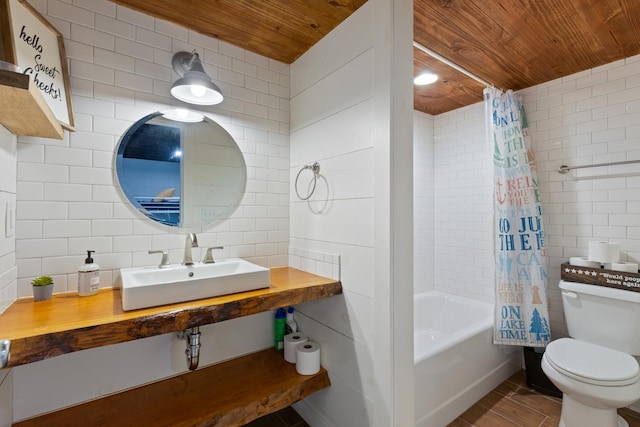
425,79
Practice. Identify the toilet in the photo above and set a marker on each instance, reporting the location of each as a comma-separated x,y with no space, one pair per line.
596,369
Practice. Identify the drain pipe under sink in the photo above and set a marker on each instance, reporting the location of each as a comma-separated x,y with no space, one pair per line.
192,337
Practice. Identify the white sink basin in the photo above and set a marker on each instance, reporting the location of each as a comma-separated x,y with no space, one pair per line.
151,286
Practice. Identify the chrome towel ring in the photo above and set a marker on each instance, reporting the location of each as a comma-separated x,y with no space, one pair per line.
315,168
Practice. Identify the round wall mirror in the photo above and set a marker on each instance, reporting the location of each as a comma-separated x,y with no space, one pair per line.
180,174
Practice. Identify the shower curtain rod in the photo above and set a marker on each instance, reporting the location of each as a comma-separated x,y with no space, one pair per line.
451,64
564,169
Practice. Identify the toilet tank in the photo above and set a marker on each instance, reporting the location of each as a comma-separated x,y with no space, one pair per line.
602,315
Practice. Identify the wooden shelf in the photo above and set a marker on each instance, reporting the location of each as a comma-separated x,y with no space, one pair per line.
68,323
23,110
231,393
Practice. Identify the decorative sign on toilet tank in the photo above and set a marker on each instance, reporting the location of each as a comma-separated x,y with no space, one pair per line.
600,277
33,44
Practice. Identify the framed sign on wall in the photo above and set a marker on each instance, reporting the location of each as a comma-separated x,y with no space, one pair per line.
33,44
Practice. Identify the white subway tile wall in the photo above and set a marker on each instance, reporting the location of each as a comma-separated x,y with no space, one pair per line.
8,269
463,251
586,118
8,188
120,67
316,262
423,202
600,116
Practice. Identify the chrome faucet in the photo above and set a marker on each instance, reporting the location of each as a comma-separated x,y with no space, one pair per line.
191,242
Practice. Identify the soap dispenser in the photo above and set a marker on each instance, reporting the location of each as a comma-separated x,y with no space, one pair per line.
88,277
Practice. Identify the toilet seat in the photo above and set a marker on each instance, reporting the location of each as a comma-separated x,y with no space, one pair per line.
592,363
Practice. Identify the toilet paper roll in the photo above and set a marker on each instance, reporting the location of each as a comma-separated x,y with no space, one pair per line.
628,267
291,341
604,252
308,358
582,261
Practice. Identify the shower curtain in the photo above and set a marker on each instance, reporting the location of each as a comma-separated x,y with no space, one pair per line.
521,308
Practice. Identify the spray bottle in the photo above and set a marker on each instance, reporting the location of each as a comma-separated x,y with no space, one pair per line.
292,326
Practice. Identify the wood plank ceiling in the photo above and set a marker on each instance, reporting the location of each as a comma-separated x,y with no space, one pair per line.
512,44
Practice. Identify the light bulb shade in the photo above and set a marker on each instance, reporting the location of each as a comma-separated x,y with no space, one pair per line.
195,85
182,115
182,90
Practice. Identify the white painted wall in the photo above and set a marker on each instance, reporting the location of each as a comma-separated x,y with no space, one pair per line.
423,202
120,66
8,271
343,117
6,397
586,118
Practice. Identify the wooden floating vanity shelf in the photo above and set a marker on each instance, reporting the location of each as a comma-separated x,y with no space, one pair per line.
68,323
230,393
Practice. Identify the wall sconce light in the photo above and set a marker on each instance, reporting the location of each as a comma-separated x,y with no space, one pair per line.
194,85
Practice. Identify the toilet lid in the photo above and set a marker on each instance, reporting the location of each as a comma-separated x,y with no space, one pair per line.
592,363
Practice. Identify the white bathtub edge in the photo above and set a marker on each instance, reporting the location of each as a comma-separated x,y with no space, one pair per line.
455,406
452,340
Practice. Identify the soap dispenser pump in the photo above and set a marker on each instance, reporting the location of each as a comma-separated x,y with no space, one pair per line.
88,277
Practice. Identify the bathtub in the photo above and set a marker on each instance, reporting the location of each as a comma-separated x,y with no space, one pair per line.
456,362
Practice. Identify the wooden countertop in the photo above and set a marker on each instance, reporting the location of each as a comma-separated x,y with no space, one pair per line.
68,323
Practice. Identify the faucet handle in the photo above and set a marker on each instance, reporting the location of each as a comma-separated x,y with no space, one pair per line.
208,257
164,263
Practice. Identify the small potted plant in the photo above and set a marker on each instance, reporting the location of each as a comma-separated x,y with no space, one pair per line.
42,288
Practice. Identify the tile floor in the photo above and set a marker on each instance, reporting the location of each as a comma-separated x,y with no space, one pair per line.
511,404
286,417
